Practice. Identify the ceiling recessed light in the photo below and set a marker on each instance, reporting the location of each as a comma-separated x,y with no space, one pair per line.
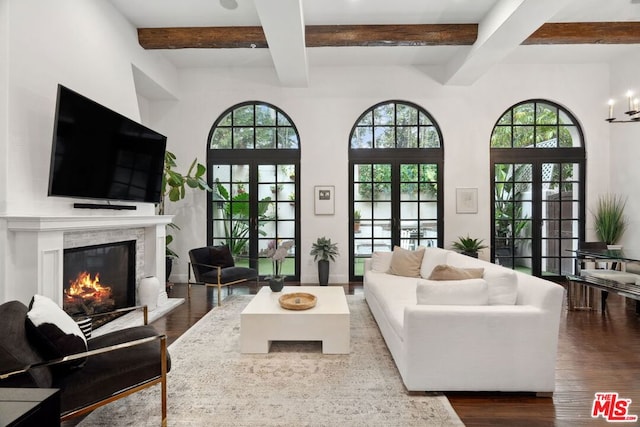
229,4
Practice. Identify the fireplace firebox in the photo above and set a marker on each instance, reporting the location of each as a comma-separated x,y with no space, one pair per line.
99,278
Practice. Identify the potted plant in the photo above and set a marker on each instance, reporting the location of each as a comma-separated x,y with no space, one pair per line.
610,222
174,186
468,246
324,251
276,188
277,255
356,221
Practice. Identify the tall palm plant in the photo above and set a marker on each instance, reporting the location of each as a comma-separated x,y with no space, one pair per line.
236,211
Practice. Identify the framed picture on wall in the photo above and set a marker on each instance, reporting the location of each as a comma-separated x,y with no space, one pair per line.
466,200
324,199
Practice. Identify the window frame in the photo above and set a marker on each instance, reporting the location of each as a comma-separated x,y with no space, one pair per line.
538,156
395,156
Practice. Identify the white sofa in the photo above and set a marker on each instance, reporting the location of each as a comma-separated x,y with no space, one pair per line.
509,344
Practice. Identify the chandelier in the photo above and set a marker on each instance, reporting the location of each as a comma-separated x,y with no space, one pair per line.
633,111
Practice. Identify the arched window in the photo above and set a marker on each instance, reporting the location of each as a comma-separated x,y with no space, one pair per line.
253,125
396,170
537,162
253,159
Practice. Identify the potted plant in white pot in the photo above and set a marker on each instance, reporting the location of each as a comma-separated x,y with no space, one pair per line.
324,251
610,222
174,185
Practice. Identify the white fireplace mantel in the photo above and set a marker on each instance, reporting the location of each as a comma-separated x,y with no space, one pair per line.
36,246
76,223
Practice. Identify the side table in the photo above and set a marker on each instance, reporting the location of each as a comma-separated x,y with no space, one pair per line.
29,407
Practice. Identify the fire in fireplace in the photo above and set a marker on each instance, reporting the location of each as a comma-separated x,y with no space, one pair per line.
86,291
99,278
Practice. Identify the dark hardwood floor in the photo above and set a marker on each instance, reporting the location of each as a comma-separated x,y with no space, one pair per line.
597,353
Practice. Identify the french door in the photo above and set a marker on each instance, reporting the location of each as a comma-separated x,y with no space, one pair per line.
253,207
537,215
395,203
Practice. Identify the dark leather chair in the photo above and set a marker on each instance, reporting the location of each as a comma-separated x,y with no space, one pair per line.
116,365
214,266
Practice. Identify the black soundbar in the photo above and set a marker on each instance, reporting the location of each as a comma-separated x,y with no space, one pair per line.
101,206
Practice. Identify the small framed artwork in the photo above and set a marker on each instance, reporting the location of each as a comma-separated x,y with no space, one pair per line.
324,199
466,200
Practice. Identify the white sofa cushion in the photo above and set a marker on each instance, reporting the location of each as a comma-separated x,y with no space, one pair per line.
503,282
405,262
394,293
452,292
381,261
503,285
431,258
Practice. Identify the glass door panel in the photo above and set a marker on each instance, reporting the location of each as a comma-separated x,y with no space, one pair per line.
231,211
546,194
418,205
277,215
513,215
255,207
373,207
560,217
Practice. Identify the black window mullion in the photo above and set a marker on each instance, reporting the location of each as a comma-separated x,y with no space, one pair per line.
395,205
536,213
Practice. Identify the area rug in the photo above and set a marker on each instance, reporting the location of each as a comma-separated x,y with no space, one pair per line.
212,384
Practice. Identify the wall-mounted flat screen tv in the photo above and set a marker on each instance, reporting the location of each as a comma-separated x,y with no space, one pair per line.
100,154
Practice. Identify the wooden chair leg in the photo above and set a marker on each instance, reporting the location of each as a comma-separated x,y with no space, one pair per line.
219,288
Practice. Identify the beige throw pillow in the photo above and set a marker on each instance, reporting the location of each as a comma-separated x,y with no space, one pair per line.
449,272
405,262
381,261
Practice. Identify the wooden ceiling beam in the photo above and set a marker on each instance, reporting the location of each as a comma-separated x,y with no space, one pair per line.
586,33
391,35
202,37
315,35
384,35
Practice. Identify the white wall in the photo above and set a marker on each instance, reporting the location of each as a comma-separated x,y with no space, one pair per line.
85,45
4,112
625,146
325,112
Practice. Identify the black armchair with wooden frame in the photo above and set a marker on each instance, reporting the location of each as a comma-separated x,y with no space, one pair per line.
115,365
214,266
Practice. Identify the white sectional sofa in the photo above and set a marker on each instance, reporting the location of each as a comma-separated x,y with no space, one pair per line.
498,333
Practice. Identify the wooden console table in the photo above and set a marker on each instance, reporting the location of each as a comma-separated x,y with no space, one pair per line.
619,282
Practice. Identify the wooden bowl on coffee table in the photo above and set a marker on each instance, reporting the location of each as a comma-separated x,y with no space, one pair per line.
298,301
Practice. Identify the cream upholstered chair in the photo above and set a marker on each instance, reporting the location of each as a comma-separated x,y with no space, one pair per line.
215,266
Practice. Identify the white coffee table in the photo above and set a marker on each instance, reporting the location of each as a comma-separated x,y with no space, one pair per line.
264,320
